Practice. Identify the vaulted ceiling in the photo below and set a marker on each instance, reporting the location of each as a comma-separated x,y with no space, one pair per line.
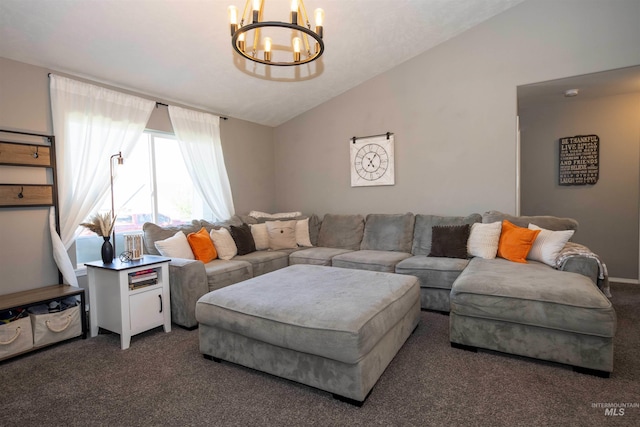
180,51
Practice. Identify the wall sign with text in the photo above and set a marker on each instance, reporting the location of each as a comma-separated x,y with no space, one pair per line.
579,160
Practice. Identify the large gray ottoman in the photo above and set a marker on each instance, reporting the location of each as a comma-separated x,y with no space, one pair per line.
330,328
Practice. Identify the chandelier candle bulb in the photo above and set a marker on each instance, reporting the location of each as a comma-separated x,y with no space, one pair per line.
319,15
256,11
267,49
296,49
233,19
241,42
294,11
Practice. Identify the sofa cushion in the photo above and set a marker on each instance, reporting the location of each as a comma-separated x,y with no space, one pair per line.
516,242
548,245
176,246
243,239
553,223
279,215
260,236
315,256
202,246
303,238
388,232
422,233
221,273
282,234
370,260
153,233
450,241
341,231
314,224
222,240
433,272
227,223
265,261
483,239
532,294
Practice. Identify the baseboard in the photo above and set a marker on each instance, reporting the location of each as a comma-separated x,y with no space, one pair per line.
621,280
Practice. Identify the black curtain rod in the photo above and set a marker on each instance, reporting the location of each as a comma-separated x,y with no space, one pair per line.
388,134
166,105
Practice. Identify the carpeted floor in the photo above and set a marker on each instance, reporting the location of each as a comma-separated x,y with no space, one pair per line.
162,379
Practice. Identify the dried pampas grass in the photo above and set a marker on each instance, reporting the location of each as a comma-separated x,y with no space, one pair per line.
101,224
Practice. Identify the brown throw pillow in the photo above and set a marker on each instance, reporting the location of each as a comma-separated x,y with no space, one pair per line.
450,241
243,238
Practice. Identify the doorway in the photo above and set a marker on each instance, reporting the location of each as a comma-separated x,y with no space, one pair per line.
607,105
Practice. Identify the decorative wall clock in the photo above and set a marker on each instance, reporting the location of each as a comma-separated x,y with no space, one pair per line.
372,161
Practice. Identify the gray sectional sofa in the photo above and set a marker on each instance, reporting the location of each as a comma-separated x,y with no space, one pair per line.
526,309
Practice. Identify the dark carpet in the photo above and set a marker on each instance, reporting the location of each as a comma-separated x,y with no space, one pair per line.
162,380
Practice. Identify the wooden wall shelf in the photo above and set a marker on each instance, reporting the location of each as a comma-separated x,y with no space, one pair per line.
16,195
26,149
19,154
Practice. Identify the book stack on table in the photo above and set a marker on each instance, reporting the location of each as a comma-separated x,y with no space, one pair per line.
143,278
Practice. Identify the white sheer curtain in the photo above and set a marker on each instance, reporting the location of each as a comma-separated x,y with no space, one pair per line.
91,124
199,140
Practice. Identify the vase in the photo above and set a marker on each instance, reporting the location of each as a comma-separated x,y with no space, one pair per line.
107,250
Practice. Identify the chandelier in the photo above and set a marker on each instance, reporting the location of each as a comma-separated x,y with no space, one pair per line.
284,43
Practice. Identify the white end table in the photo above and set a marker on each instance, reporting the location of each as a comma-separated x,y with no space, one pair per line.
120,302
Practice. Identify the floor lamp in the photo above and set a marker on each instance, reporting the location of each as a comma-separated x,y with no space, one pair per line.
113,212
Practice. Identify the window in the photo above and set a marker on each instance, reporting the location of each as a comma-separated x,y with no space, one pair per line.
152,185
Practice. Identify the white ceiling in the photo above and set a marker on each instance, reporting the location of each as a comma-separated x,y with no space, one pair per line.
180,51
589,86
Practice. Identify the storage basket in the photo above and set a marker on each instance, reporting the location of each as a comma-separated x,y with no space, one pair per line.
15,337
54,327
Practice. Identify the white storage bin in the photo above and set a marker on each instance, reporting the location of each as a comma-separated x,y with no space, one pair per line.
15,337
54,327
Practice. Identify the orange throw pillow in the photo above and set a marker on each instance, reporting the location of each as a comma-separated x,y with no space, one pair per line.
202,246
515,242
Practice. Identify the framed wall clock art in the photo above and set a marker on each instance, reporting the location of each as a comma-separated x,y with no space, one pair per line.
372,160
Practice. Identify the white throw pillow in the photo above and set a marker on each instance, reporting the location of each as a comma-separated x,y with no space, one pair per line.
302,233
282,234
548,244
225,246
260,236
483,239
258,214
176,246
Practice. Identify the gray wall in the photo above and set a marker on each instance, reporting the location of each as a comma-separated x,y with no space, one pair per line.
453,111
26,260
607,211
